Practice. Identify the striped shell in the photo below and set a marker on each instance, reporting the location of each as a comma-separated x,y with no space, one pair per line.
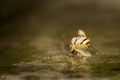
80,44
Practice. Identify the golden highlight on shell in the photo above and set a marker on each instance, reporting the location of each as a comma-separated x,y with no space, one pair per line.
80,44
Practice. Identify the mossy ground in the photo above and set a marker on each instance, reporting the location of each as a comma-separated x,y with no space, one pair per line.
34,49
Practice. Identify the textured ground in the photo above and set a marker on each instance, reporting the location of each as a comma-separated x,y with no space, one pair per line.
36,47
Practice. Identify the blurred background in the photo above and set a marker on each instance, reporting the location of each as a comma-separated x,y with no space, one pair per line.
29,28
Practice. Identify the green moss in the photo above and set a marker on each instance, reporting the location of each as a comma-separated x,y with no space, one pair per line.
105,66
11,56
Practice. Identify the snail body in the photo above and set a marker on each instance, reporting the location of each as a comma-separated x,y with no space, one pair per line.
80,44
